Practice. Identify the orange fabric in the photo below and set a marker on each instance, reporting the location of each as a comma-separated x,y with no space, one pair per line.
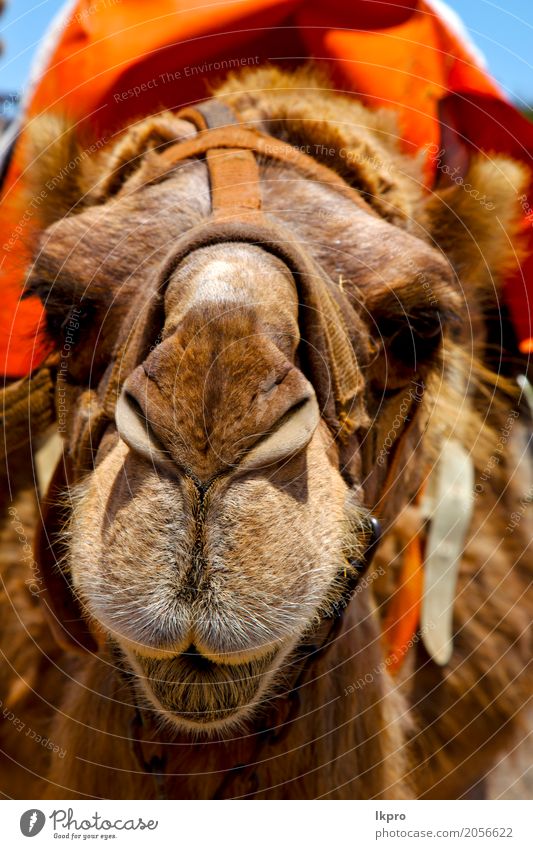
403,613
118,61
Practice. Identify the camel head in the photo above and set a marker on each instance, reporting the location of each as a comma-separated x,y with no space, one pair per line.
229,487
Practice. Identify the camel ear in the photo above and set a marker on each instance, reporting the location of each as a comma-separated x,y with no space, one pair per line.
63,610
70,173
477,222
126,156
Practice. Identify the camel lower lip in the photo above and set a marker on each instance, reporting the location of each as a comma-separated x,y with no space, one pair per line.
195,689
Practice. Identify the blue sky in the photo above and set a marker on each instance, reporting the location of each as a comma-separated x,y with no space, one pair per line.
503,30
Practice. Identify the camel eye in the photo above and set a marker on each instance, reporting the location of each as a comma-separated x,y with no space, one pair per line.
291,434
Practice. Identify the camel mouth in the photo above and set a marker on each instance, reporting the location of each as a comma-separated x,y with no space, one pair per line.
195,691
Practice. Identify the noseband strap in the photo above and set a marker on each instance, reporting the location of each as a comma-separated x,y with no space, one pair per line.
233,170
230,151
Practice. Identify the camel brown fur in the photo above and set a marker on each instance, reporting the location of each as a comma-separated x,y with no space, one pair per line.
205,543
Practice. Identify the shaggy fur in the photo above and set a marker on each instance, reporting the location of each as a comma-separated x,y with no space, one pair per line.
202,556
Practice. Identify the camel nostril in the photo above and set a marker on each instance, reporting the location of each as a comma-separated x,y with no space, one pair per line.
134,428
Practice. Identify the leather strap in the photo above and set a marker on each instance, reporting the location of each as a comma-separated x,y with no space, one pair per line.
209,114
27,408
238,137
235,183
233,173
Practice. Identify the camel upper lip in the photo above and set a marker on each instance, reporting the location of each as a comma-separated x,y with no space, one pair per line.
203,663
198,653
195,659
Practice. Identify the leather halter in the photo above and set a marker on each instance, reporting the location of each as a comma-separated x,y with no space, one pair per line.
230,152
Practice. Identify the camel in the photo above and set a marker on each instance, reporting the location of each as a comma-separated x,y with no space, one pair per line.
265,359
